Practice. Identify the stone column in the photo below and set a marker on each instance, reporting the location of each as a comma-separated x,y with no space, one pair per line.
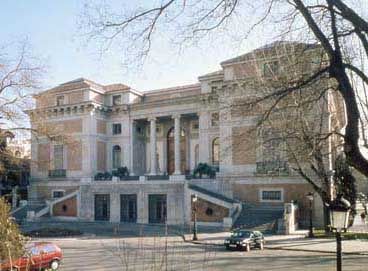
153,144
177,131
132,136
203,138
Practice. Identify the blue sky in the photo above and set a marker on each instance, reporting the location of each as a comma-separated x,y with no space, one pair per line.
51,29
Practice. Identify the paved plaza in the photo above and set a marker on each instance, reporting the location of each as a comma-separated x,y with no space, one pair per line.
160,253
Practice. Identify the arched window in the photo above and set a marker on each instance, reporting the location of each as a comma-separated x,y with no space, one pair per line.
216,151
116,156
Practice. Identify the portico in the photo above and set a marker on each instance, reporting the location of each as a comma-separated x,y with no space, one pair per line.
168,144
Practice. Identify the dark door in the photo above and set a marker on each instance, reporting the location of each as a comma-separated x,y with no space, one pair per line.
157,208
128,208
102,207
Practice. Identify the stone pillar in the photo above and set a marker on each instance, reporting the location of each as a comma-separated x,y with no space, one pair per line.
203,140
153,145
132,140
177,131
114,207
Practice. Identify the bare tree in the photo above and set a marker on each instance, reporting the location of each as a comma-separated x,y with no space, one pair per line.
339,27
20,75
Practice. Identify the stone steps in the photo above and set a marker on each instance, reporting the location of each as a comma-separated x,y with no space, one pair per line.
263,218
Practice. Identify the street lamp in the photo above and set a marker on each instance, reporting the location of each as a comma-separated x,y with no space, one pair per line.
339,217
194,209
310,197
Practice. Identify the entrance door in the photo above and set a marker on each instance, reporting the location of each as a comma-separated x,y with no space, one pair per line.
157,208
171,152
128,208
102,207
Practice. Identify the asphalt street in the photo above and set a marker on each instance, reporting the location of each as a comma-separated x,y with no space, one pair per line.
154,253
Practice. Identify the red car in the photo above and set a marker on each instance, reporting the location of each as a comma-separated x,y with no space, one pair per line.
38,256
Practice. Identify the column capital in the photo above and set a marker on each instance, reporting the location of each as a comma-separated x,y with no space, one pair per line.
202,113
152,118
175,116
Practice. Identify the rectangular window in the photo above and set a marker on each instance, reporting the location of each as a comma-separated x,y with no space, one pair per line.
215,119
58,157
59,100
57,194
116,99
271,195
116,129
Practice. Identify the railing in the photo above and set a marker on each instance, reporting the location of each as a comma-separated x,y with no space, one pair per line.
272,167
157,177
57,173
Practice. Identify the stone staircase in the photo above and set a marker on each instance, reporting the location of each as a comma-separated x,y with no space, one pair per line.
262,217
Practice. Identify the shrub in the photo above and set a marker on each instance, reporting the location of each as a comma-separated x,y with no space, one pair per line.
11,240
204,169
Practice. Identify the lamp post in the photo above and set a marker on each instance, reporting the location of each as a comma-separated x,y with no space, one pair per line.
339,217
310,197
194,208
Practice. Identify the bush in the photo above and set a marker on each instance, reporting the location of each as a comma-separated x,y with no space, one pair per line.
11,240
204,169
121,172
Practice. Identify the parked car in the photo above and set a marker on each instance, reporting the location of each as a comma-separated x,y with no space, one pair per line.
37,256
245,240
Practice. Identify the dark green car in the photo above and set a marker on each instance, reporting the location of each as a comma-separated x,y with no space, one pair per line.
245,240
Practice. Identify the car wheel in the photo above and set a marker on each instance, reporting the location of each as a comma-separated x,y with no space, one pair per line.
247,247
261,246
54,265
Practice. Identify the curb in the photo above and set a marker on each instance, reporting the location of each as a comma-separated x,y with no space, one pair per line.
316,250
283,248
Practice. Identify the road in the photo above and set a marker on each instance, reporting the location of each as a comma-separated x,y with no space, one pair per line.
173,254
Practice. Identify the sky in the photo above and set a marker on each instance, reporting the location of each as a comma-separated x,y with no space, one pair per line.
51,29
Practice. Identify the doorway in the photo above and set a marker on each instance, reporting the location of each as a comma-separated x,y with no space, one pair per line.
102,207
128,208
157,208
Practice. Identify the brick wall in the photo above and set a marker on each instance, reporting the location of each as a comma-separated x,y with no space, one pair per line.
101,127
43,157
67,207
76,97
74,155
243,145
101,156
210,212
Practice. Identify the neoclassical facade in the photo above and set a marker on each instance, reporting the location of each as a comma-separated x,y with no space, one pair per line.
160,136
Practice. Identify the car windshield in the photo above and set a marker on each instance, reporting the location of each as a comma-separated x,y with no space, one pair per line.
240,234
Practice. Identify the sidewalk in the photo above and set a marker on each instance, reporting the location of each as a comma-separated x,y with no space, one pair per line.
296,242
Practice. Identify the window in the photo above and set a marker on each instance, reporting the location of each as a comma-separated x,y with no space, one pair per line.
209,211
58,157
116,129
195,126
58,194
116,99
116,156
271,69
216,151
215,119
59,100
272,155
271,195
